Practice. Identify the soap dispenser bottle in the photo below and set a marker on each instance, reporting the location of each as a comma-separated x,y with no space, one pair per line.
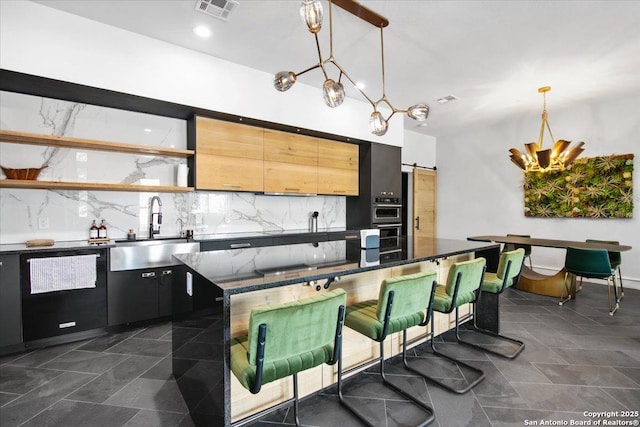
93,230
102,230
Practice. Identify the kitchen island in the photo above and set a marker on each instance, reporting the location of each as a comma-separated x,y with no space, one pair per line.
215,291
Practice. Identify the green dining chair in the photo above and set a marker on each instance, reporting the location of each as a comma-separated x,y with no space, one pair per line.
463,286
285,339
508,274
403,302
615,259
593,264
513,246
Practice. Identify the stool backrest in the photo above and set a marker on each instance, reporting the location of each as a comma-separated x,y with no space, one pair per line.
590,263
471,274
527,248
411,294
295,327
517,258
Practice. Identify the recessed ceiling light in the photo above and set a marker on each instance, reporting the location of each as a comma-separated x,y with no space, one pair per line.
147,130
202,31
446,99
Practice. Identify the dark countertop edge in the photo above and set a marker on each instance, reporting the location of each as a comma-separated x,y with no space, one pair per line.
267,234
11,248
19,248
329,274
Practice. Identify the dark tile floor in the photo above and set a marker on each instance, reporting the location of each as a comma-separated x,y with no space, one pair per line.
577,359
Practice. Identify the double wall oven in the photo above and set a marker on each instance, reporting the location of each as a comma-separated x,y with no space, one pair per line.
386,215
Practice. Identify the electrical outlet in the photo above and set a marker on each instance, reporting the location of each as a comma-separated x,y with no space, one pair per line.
43,223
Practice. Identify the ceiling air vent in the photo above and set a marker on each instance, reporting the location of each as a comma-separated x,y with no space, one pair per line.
446,99
219,8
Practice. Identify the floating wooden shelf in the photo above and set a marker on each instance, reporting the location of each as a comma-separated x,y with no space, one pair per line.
59,185
88,144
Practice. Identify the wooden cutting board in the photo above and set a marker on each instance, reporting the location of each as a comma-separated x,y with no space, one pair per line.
39,242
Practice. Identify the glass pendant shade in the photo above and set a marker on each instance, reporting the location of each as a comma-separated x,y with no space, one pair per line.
284,80
333,93
418,112
311,14
377,124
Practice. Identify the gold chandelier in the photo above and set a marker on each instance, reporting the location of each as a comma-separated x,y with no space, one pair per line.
551,159
333,90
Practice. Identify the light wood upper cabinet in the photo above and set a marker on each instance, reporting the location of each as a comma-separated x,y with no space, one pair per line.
290,163
237,157
229,156
337,168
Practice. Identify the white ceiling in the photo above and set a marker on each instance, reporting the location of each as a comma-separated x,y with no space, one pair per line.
492,55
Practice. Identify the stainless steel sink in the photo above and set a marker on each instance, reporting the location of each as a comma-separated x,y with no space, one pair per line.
138,254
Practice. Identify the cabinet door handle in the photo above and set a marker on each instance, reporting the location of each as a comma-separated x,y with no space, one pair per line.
339,191
167,272
291,189
417,223
239,245
232,186
149,274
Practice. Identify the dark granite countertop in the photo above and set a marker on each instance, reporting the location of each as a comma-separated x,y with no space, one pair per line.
264,233
244,270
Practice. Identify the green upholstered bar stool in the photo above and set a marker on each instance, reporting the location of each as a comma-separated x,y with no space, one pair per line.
527,248
462,287
403,302
593,264
615,259
508,274
288,338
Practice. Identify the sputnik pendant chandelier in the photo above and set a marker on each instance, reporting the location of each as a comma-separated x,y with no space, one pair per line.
538,160
333,90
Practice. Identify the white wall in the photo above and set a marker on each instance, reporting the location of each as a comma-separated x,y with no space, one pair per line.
480,190
39,40
418,148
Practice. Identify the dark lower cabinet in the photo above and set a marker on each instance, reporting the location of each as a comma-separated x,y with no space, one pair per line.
61,312
10,304
138,295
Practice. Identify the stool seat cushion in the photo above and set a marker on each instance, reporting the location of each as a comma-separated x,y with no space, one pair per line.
442,300
493,284
363,317
274,370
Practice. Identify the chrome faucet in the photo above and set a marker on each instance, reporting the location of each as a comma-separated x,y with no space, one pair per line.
181,224
155,218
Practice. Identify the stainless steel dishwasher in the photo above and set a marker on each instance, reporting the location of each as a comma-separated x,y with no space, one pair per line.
140,278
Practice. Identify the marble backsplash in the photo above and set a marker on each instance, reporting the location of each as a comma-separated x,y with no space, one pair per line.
67,215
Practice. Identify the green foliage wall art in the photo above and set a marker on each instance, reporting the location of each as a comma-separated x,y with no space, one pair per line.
596,187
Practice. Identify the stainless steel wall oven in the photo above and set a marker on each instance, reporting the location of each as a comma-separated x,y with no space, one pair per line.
386,210
390,237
